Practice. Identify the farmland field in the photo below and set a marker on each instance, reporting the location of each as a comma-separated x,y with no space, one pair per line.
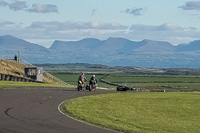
148,82
141,79
153,82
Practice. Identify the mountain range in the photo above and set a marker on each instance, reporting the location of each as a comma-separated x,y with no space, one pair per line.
111,52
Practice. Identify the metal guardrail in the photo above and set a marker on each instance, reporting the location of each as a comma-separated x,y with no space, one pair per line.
6,77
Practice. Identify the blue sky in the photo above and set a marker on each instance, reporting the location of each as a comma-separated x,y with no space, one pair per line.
42,22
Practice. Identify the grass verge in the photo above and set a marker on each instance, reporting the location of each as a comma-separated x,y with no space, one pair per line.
176,112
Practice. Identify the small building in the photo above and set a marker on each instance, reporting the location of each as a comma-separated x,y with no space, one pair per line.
34,73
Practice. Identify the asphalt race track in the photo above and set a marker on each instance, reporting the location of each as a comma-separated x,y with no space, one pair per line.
35,110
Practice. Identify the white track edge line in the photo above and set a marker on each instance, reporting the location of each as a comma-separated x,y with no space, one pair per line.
84,121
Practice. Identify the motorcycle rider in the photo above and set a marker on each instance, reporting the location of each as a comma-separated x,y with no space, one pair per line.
93,81
82,79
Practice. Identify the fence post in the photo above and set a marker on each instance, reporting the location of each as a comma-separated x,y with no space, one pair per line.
19,79
15,78
10,78
23,80
3,76
7,78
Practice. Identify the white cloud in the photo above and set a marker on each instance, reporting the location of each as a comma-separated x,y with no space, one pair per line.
169,27
18,5
43,8
3,3
36,7
166,32
41,32
191,5
166,27
70,25
5,23
135,11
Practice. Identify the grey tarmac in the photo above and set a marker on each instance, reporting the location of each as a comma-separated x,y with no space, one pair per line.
35,110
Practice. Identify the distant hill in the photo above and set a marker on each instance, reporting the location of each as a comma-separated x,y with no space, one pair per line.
113,45
85,44
192,46
10,46
112,52
9,42
156,47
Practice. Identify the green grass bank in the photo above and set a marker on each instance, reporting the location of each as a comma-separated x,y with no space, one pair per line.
151,112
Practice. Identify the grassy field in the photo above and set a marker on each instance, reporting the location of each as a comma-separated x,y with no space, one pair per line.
141,82
148,112
142,79
157,82
131,79
8,84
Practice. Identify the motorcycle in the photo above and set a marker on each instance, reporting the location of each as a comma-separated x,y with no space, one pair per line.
80,86
92,86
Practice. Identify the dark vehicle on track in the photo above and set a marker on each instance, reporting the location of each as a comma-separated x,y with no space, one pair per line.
123,88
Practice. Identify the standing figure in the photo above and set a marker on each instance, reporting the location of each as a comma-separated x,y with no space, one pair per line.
15,57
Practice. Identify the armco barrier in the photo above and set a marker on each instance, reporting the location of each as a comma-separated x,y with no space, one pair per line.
5,77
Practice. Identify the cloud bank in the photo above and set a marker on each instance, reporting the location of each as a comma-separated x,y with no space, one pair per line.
40,32
36,7
192,5
70,25
3,3
18,5
5,23
166,32
43,8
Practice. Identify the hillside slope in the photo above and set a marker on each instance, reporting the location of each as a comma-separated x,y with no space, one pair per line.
12,68
16,69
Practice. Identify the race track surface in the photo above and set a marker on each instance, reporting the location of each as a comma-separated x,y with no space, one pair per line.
35,110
